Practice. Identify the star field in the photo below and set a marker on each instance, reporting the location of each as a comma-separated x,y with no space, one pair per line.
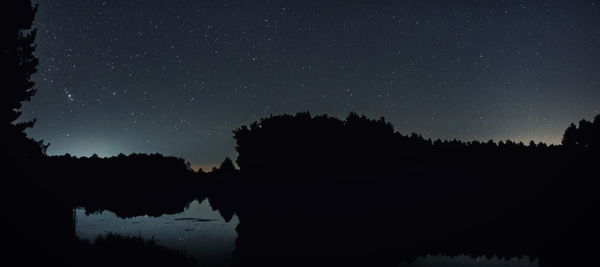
176,77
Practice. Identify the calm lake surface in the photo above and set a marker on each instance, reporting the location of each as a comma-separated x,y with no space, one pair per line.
204,235
466,261
199,231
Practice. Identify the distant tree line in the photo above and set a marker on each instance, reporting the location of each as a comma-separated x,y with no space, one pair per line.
357,145
586,135
129,185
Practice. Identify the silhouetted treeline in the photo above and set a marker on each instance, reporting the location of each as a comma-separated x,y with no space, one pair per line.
40,209
319,189
356,191
129,185
356,146
584,136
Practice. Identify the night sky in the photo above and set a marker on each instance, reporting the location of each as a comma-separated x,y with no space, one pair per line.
176,77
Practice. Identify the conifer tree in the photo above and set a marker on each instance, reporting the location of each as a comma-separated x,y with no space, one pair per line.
17,62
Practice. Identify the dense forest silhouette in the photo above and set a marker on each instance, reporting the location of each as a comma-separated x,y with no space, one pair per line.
309,189
356,190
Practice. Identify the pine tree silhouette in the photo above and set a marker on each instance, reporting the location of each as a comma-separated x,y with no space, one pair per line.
18,64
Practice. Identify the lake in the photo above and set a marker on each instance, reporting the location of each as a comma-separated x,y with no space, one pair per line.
199,231
204,235
466,261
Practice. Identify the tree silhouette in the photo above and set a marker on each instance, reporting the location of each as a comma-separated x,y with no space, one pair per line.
227,165
570,136
585,135
596,132
18,64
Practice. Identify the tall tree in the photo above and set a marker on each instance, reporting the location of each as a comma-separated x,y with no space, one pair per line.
570,136
585,134
227,165
17,63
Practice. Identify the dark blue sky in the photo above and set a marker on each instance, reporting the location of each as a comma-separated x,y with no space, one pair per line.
176,77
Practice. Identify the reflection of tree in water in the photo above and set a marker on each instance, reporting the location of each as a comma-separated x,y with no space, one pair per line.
150,183
198,230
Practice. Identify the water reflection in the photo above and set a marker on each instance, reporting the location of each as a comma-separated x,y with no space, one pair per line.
199,231
205,235
467,261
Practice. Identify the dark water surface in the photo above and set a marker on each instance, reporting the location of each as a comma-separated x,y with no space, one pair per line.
204,235
199,231
467,261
